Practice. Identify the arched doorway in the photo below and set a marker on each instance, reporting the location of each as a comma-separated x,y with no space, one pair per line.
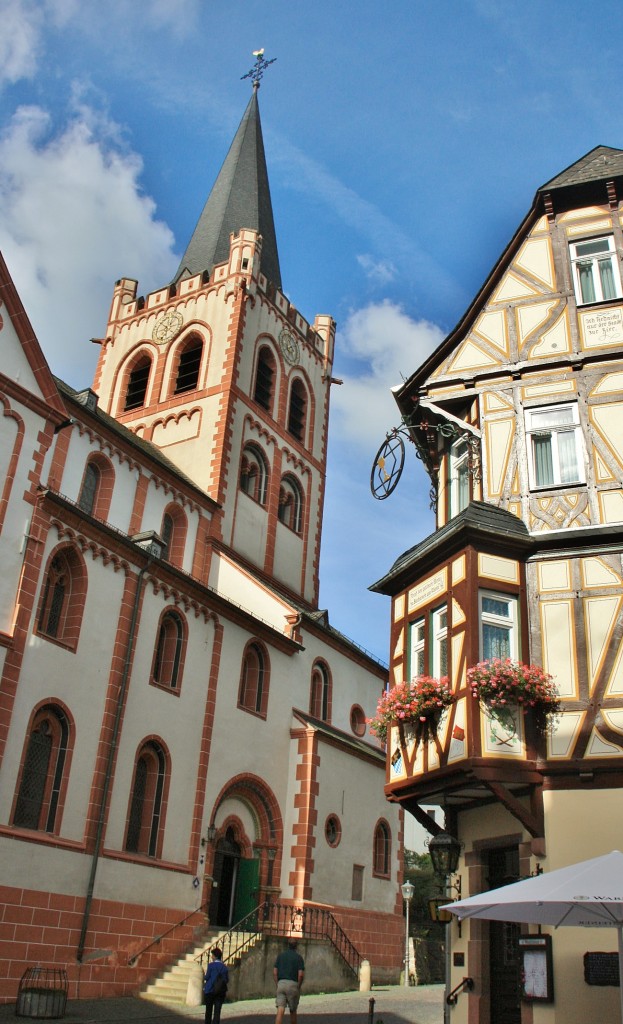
235,885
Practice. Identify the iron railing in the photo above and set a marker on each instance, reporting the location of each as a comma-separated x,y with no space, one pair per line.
158,939
287,921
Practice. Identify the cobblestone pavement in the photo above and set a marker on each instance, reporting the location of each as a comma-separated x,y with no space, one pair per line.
392,1005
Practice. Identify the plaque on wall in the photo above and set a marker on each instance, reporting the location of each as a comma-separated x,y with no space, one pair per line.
601,969
602,327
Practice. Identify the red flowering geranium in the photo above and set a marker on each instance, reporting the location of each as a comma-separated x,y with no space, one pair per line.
417,701
502,682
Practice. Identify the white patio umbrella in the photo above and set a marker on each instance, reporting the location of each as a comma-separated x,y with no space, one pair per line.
587,895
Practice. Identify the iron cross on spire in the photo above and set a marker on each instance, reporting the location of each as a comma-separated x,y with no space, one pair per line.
258,69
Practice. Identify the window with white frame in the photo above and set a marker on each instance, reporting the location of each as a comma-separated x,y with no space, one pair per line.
417,654
555,445
498,625
440,642
595,268
458,477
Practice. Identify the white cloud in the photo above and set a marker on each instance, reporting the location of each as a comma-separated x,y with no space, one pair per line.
389,346
73,219
26,22
381,272
22,23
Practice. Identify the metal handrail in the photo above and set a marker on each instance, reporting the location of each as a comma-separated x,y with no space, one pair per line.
154,942
283,919
466,985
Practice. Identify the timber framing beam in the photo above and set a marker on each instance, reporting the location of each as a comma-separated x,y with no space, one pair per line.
533,819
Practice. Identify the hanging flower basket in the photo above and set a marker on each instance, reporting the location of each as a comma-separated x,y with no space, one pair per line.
416,706
503,685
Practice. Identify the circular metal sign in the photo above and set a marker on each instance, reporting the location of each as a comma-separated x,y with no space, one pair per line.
387,467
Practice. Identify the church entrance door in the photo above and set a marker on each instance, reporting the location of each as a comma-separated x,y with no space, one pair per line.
235,886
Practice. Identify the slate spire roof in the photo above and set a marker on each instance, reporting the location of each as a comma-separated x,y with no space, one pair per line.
239,199
601,162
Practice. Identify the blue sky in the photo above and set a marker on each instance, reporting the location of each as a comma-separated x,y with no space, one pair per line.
405,142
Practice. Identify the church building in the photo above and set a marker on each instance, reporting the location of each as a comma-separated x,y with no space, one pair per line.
518,420
183,732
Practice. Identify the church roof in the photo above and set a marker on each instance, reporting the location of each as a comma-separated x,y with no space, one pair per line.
239,199
601,162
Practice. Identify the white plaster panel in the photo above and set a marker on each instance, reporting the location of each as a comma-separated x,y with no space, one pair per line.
558,636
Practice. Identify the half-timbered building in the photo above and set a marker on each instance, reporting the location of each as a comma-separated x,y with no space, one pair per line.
518,419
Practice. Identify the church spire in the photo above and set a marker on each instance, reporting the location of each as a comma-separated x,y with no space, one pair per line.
239,199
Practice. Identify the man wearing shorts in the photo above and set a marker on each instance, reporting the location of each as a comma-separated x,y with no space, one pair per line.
288,973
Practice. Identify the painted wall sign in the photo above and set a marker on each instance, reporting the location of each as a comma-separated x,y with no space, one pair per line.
602,327
428,590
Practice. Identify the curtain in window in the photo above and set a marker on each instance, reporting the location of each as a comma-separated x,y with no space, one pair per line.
587,285
606,274
543,462
567,456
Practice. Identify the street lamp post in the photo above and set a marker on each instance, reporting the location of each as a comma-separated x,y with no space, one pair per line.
407,889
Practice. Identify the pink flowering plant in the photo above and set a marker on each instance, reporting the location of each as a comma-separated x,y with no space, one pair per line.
503,683
419,703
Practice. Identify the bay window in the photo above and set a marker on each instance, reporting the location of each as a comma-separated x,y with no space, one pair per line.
498,626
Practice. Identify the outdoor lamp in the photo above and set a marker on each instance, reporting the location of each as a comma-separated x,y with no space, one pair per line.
407,889
444,852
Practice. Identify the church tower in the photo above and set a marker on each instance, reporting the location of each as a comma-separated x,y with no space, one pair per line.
220,371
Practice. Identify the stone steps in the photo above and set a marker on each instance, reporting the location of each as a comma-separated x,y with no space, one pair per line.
170,987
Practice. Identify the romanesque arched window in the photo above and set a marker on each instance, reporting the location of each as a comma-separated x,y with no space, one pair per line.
97,487
138,380
43,771
297,410
263,392
146,812
290,510
254,680
169,652
254,473
188,365
320,692
62,597
382,850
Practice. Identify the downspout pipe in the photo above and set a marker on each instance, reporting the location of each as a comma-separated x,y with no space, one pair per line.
109,762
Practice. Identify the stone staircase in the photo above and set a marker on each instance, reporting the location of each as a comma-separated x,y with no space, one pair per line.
171,986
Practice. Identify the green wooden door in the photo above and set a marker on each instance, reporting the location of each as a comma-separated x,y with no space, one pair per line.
247,884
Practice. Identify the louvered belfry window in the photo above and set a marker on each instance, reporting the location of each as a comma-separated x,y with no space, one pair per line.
188,367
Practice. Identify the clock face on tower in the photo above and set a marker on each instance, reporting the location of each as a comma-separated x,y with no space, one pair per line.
167,326
289,347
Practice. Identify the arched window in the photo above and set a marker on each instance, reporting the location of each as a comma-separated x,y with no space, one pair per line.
188,365
382,850
320,693
136,390
146,818
97,486
290,510
254,474
173,534
254,678
63,597
265,379
297,411
90,485
168,656
37,803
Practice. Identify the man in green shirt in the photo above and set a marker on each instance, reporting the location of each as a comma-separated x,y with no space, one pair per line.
288,972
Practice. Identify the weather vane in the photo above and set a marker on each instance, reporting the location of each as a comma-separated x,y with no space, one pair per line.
257,71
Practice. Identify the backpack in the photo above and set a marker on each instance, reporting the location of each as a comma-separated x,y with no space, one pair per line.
219,986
